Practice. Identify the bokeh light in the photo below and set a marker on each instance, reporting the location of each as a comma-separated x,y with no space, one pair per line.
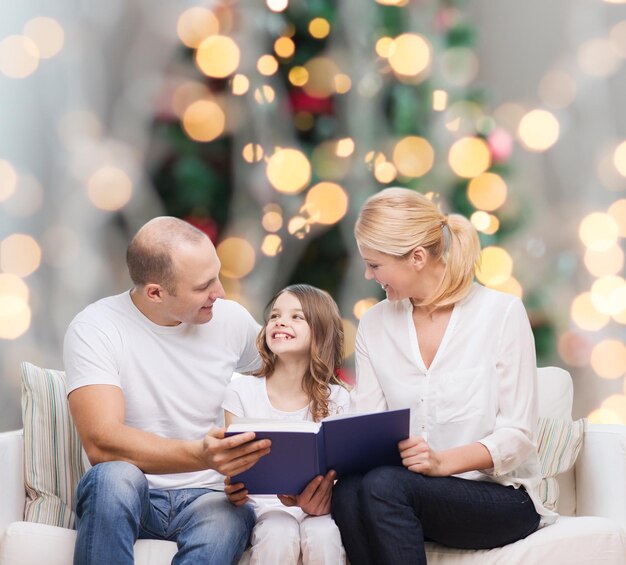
277,5
195,25
20,255
617,404
617,37
272,220
383,45
413,156
252,152
204,120
619,158
608,294
604,416
240,84
264,94
186,94
327,202
47,34
319,28
345,147
8,179
440,100
609,261
538,130
385,172
557,89
267,65
597,58
298,76
327,164
487,191
617,211
496,266
469,157
15,316
27,198
284,47
585,315
109,188
288,170
510,286
321,77
608,359
410,54
299,227
237,257
19,56
218,56
349,337
272,245
459,66
575,349
363,306
598,231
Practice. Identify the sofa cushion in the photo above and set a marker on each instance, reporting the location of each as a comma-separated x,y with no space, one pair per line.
575,541
558,442
27,543
53,461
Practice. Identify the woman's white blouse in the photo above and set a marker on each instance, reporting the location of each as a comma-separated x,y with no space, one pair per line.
480,387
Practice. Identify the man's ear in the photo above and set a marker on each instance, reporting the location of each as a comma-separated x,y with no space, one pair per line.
153,292
419,257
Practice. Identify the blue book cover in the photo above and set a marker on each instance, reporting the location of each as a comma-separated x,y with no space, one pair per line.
349,444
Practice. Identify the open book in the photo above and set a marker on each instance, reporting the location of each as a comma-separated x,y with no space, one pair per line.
348,443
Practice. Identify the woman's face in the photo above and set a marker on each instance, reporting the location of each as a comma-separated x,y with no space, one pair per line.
396,275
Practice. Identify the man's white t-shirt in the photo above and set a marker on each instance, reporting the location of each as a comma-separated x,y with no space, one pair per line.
173,377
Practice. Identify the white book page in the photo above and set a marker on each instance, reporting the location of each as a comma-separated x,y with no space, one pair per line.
265,425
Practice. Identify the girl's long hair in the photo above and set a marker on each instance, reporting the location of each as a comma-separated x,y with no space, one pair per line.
326,355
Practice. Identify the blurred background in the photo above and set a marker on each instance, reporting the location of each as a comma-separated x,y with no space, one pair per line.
267,124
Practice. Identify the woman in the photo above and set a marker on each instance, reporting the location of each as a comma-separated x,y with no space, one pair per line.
462,357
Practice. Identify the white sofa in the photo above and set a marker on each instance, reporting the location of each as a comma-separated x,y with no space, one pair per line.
593,495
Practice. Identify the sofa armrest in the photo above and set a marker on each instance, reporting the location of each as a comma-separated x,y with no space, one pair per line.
601,473
12,493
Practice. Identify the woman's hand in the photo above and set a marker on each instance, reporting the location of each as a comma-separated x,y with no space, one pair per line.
417,456
237,494
315,498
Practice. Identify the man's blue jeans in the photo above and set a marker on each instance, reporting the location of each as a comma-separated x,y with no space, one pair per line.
115,507
385,516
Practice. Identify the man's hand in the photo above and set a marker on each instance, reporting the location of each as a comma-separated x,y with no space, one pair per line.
417,456
237,494
315,498
232,455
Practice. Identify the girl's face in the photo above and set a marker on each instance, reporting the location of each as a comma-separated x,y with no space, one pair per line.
287,331
397,276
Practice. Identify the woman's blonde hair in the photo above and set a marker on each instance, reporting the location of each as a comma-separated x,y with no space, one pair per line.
322,315
395,221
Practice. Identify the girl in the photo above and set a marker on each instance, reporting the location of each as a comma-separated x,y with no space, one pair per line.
301,346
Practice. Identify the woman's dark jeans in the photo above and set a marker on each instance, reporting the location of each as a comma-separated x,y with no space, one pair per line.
385,516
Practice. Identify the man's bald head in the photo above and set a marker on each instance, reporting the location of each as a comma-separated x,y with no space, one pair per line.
150,253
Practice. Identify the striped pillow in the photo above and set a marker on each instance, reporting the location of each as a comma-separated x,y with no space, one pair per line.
558,443
53,461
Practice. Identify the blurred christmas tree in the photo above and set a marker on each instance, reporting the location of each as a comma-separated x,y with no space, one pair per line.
281,118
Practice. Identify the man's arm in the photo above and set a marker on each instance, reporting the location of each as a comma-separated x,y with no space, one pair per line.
98,413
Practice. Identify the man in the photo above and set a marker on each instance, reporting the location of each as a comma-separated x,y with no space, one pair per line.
146,373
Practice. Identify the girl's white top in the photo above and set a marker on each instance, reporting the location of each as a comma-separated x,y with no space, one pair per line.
246,397
480,387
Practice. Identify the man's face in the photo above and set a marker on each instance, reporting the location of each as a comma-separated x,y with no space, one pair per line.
197,285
